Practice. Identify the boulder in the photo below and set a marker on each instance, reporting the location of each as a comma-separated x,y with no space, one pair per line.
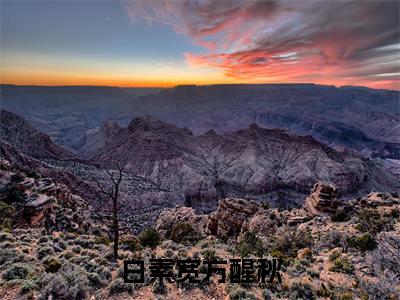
322,200
228,220
180,214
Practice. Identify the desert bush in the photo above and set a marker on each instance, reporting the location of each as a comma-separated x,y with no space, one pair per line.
183,233
149,238
130,243
334,255
241,294
76,249
69,283
17,271
10,256
31,173
28,285
14,195
363,242
118,286
85,241
6,214
371,221
51,264
250,244
7,245
44,250
6,237
299,290
44,239
95,280
340,215
159,288
345,296
209,254
102,240
342,265
300,266
16,178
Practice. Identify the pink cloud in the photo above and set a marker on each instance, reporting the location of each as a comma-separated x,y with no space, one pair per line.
335,42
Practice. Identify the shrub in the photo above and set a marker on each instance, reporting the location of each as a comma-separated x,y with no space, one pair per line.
69,283
340,215
102,240
363,243
14,195
371,221
6,214
250,244
149,238
76,249
334,255
51,264
16,178
44,239
28,285
183,233
10,256
342,265
241,294
209,254
45,251
17,271
131,244
159,288
300,290
95,280
118,286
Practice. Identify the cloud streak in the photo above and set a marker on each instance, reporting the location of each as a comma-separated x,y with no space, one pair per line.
331,42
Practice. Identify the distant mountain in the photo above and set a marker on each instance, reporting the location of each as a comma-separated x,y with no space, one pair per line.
362,119
271,165
21,135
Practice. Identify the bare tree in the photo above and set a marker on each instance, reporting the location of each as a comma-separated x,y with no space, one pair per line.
111,192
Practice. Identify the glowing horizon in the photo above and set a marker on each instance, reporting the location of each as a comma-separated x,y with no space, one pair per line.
135,43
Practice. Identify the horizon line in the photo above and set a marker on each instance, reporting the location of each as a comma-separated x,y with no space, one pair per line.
188,85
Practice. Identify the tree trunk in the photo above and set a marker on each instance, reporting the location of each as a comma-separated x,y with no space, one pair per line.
116,230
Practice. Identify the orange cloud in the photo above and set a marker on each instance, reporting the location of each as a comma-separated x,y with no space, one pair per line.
335,42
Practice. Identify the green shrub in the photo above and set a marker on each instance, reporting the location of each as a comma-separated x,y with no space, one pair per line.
334,254
149,238
342,265
70,282
95,280
118,286
250,244
363,243
28,285
6,237
45,251
131,244
183,233
209,254
51,264
371,221
102,240
241,294
6,213
340,215
300,290
17,271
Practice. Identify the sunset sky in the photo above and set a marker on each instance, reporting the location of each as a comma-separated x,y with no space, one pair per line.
166,43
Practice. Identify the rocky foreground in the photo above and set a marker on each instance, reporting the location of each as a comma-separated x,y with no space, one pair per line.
330,249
